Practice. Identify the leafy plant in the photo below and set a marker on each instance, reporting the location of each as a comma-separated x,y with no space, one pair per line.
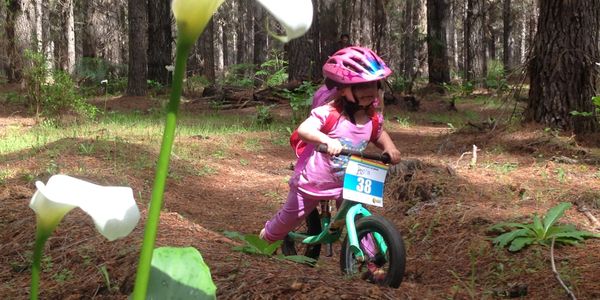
263,114
273,72
255,245
495,78
541,231
102,269
300,100
155,87
399,83
596,102
237,75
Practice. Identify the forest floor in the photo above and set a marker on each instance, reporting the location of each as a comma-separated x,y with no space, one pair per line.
235,182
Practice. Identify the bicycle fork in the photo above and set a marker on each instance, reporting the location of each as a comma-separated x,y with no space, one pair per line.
354,210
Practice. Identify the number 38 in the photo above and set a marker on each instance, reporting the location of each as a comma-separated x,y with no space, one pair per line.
364,185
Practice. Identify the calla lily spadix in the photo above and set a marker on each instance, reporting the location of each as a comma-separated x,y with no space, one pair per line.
193,15
112,208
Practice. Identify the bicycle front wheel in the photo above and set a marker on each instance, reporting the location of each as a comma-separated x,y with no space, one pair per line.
381,268
311,226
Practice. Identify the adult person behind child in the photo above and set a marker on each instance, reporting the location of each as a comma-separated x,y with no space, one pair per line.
342,43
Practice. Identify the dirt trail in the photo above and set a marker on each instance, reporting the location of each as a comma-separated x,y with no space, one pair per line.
442,213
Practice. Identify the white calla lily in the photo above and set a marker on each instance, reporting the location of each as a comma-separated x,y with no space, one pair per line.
295,16
112,208
193,15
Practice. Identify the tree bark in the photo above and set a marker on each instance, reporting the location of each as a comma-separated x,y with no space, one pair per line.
437,49
562,70
160,40
137,74
18,32
473,41
506,34
70,36
260,41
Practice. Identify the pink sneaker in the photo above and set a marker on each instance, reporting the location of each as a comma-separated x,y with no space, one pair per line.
374,273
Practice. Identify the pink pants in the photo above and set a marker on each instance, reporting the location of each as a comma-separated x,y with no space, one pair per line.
296,208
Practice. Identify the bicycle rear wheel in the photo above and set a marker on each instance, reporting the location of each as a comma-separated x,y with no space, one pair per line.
383,269
311,226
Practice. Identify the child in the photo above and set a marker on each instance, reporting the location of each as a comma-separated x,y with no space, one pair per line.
356,73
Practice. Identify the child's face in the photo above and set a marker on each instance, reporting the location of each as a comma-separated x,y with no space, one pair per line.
362,93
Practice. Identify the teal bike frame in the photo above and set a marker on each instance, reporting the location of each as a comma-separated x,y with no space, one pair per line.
332,229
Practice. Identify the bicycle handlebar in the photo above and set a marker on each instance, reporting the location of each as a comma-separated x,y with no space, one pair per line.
382,157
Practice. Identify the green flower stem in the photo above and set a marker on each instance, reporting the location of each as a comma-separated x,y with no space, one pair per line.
143,270
41,236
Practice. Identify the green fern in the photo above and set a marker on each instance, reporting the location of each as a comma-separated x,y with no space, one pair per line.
540,231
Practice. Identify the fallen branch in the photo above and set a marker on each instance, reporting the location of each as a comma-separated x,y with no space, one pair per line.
557,275
582,208
473,159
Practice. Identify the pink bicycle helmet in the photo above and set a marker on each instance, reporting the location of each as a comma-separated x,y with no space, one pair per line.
355,65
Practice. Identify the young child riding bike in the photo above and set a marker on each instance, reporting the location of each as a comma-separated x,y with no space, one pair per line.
356,74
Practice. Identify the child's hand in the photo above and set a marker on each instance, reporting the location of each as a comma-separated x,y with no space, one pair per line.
394,155
334,147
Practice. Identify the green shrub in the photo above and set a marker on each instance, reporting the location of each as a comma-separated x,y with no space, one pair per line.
263,114
36,74
399,83
273,72
116,85
495,78
300,100
237,75
62,96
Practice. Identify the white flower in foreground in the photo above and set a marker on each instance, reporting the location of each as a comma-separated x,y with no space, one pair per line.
112,208
295,16
193,15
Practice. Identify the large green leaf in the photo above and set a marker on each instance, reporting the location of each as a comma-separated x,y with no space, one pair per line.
578,235
520,242
537,227
554,214
505,238
501,226
179,273
559,229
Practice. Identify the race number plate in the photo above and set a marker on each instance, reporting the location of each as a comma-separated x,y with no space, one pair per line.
364,181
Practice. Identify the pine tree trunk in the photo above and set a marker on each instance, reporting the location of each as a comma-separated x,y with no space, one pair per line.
473,40
506,35
38,25
562,69
18,33
159,40
69,65
207,51
260,42
137,74
299,59
437,49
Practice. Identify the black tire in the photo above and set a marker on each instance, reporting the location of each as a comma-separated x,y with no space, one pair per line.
311,226
393,263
